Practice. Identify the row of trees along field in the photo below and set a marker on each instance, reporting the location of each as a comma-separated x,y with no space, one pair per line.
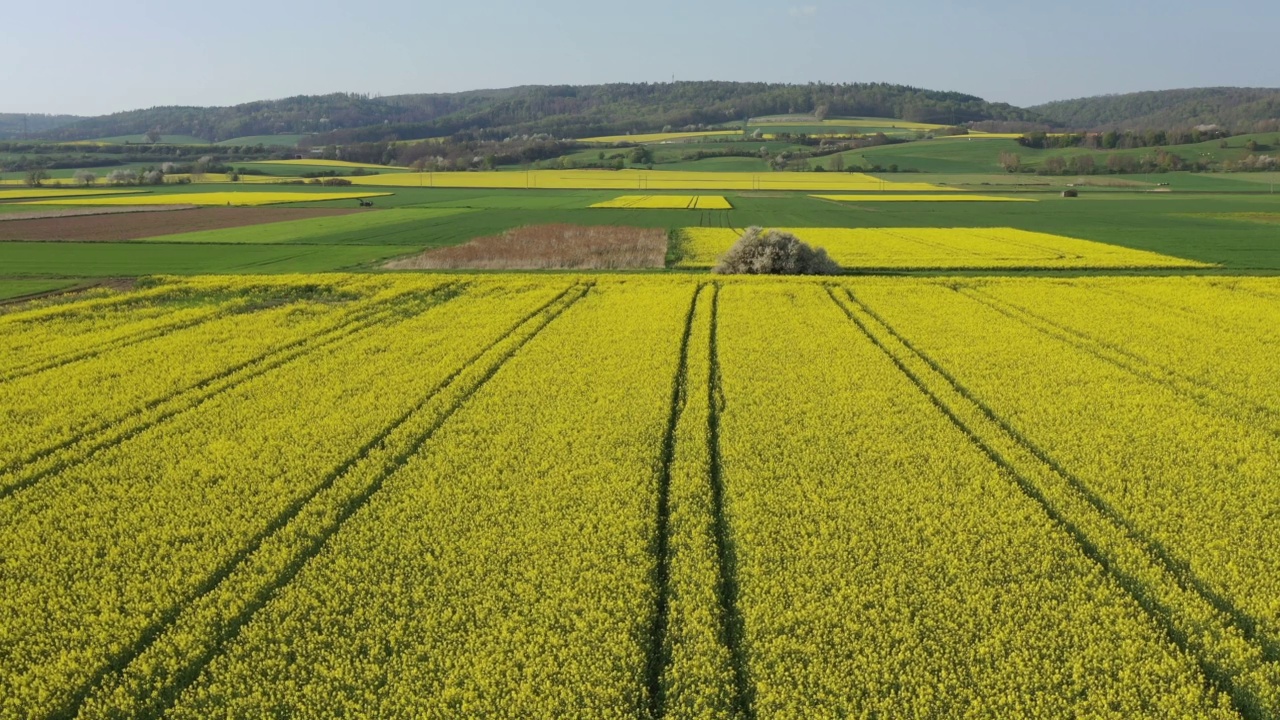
1157,161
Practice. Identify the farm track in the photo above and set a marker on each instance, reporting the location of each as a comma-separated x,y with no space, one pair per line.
168,657
727,589
1234,658
1205,394
84,446
662,532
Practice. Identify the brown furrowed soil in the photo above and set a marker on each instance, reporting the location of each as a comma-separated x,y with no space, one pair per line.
135,226
543,247
68,212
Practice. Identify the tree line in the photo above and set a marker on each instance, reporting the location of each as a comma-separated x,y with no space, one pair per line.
563,111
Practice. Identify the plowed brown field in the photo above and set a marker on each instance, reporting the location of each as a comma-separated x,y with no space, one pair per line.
135,226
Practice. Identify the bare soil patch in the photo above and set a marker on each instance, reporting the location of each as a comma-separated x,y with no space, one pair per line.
113,227
543,247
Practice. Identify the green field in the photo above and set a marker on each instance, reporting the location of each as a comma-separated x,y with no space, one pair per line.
1194,218
142,140
265,140
10,289
975,154
69,259
387,227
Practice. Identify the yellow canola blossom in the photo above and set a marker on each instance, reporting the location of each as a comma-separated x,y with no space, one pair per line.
855,122
164,505
237,199
667,202
1167,472
511,557
922,198
443,495
885,565
649,180
942,248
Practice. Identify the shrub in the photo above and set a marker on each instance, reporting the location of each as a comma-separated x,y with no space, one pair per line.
773,252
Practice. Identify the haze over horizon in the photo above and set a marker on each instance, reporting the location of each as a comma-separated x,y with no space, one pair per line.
98,58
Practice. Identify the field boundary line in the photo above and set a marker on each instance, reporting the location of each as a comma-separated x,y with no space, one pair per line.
83,447
1232,658
728,590
292,539
1206,394
662,528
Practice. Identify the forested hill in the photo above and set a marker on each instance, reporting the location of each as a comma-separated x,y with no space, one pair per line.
13,125
565,111
1237,109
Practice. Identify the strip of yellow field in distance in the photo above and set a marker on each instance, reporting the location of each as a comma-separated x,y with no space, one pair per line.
649,180
667,202
236,199
942,249
921,198
859,122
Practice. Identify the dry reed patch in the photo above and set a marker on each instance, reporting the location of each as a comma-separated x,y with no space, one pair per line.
543,247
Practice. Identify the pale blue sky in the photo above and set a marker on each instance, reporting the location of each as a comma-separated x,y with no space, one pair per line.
97,56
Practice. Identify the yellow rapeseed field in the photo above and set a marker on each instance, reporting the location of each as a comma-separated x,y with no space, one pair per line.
240,199
649,180
667,202
942,248
652,496
858,122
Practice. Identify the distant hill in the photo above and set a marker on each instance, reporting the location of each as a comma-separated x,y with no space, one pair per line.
564,111
12,124
1238,109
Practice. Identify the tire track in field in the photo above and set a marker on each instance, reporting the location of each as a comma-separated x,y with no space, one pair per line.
171,655
358,315
1235,660
75,451
662,533
142,297
1204,393
135,338
728,589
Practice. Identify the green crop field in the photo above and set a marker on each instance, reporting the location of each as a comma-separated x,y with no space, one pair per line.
70,259
265,140
142,140
10,289
389,227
